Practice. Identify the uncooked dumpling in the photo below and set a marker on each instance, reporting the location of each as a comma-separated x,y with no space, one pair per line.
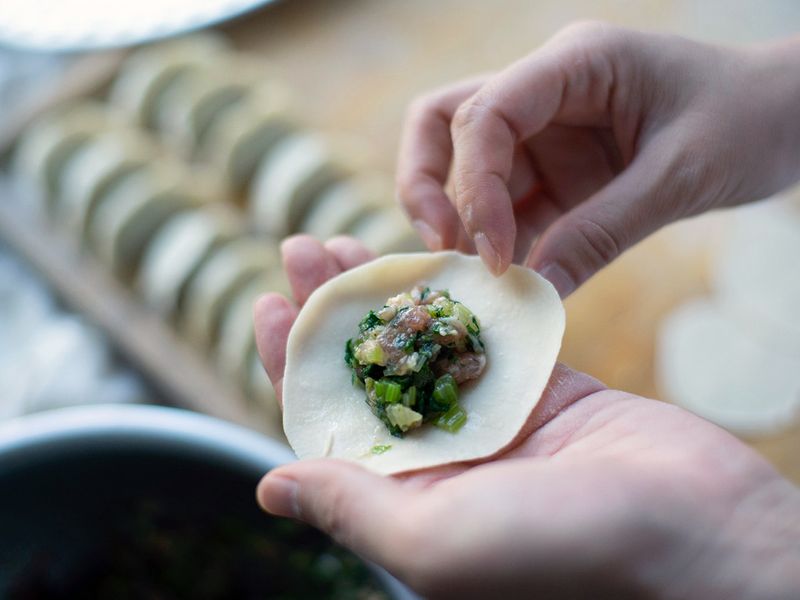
325,415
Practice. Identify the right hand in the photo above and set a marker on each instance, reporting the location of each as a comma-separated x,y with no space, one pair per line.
594,141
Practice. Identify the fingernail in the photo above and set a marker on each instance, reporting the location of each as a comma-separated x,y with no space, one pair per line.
560,279
432,239
487,252
278,495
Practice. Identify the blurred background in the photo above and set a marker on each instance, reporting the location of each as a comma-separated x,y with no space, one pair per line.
144,190
152,157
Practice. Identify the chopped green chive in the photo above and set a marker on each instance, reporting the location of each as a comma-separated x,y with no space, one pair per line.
445,390
452,420
392,392
381,448
410,397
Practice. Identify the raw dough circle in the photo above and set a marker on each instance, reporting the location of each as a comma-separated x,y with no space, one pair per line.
522,323
713,365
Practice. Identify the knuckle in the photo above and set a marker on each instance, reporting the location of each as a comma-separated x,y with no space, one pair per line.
471,113
602,243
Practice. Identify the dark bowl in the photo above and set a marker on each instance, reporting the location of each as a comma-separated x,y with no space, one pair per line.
151,502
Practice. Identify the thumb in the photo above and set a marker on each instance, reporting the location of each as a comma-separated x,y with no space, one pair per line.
636,203
356,507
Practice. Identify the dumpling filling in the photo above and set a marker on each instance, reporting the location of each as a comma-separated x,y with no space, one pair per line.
411,355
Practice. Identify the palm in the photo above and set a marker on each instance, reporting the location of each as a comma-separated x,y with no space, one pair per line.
582,487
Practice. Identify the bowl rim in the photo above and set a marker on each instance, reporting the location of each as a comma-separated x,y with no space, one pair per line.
159,426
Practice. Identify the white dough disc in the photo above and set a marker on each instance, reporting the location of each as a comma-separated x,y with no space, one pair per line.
219,279
241,134
387,231
152,69
756,275
236,331
712,365
46,146
94,170
176,253
340,206
128,217
325,415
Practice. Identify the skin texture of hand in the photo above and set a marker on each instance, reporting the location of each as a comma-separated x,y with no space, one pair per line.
594,141
606,494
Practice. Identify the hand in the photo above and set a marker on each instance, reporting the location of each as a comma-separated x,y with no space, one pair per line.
594,141
607,494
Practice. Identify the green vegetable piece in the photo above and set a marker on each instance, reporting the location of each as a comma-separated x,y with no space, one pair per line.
370,352
381,448
370,321
403,417
452,420
462,313
410,397
445,391
391,392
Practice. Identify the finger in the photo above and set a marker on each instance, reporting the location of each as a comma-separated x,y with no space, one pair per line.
355,507
597,231
308,265
348,252
424,164
567,81
273,316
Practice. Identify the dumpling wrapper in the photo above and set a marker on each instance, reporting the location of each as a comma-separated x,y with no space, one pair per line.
325,415
721,368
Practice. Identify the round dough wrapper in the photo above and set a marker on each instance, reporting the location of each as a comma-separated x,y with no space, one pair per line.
185,115
226,271
522,323
756,275
236,334
294,174
93,171
176,253
241,134
151,70
128,217
343,204
262,394
710,364
46,146
387,231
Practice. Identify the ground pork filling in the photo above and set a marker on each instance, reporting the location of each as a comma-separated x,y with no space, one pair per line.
411,355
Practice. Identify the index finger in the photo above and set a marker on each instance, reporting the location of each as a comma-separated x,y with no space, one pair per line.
570,80
423,165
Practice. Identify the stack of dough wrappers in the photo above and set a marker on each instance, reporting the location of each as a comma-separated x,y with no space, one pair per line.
184,178
734,356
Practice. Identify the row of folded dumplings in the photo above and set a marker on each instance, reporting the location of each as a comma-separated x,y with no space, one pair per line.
184,180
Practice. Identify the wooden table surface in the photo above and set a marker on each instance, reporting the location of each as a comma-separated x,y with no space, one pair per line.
357,63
